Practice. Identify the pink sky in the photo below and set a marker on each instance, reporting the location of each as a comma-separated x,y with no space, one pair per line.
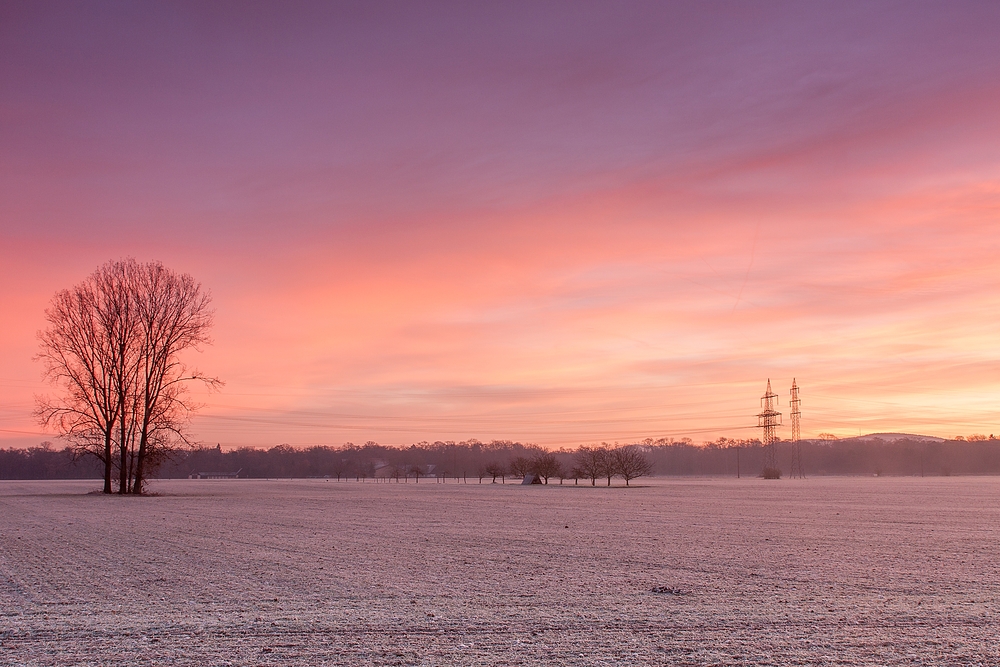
560,224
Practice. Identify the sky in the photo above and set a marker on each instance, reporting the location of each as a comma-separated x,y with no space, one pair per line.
555,222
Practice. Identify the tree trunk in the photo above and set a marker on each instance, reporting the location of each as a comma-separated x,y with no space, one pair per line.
137,480
107,461
141,458
123,440
123,462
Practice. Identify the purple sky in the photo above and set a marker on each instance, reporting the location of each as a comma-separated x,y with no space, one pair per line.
558,222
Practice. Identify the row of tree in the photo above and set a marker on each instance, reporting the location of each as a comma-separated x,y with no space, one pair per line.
593,463
470,459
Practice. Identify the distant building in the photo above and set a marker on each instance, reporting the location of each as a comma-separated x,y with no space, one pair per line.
387,472
215,475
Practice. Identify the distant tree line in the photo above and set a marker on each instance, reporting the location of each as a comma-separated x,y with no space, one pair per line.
494,461
477,462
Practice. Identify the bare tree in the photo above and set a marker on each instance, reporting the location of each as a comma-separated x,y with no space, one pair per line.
606,462
630,462
545,466
416,470
590,463
339,466
174,315
79,355
113,346
496,469
520,466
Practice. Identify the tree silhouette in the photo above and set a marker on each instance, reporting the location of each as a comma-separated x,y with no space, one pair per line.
520,466
496,469
590,463
113,347
546,466
630,462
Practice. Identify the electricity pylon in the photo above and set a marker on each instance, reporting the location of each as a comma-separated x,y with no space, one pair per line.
796,413
769,419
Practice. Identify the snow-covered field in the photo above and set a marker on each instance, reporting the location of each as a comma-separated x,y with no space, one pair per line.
825,571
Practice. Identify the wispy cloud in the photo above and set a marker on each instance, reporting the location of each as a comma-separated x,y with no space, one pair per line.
520,223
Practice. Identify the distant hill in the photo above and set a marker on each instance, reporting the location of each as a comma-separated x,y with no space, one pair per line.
891,437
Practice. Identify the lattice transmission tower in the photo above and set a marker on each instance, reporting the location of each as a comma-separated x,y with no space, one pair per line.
769,419
796,413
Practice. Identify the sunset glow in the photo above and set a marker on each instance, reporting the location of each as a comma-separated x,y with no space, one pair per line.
554,225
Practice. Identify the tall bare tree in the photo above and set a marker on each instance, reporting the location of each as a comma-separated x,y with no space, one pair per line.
173,315
79,354
113,346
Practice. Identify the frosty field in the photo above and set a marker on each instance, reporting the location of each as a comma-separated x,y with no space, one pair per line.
826,571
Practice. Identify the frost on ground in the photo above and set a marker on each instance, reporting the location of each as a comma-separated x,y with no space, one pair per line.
828,571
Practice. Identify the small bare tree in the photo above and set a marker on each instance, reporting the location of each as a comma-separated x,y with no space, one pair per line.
596,463
496,469
339,466
545,466
520,466
630,462
416,470
590,463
